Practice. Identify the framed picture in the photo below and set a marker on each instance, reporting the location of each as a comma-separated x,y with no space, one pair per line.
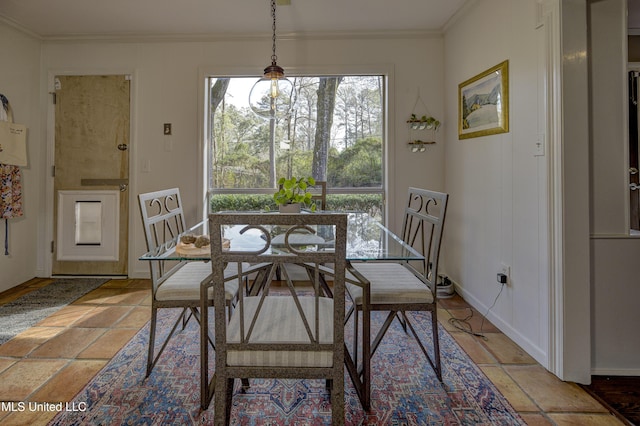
483,103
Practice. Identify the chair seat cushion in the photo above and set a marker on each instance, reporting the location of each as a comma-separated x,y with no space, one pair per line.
390,283
279,322
184,284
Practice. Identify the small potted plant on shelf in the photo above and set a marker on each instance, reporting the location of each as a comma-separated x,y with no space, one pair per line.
293,194
423,122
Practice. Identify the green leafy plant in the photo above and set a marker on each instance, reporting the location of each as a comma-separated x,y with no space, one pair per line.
294,190
429,122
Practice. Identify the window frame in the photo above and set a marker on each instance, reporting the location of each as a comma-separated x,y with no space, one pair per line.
384,71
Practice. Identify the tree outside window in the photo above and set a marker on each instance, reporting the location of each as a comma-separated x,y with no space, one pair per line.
334,133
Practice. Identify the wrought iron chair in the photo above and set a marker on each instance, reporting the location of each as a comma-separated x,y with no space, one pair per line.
174,284
291,333
400,287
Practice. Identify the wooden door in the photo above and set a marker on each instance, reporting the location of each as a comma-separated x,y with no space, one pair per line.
92,120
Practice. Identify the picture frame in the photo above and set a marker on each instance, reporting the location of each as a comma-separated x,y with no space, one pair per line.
483,103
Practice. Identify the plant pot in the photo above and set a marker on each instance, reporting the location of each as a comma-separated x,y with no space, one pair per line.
289,208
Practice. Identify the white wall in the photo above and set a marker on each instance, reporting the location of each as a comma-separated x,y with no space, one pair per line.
19,82
498,188
166,89
615,268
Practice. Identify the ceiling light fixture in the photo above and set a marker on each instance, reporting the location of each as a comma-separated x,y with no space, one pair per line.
273,95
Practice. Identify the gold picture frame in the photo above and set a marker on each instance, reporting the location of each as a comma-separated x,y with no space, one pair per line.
483,103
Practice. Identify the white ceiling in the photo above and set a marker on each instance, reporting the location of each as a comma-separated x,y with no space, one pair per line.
98,18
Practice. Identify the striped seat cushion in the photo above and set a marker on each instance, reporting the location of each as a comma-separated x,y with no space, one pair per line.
279,322
184,284
390,283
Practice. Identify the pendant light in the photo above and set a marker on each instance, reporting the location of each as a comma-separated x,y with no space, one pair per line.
273,95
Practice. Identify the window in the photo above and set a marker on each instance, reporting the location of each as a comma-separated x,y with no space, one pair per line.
334,133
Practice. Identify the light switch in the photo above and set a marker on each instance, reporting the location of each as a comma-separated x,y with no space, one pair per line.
167,129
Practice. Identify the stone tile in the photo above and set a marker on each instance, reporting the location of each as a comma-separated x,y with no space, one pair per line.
443,319
103,316
137,283
473,348
128,296
6,363
454,302
13,295
97,296
141,283
68,343
108,344
474,320
69,381
510,389
25,342
66,316
24,377
535,419
136,318
565,419
550,393
39,282
28,417
505,350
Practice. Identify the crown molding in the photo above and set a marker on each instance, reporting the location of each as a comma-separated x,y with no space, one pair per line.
221,37
13,24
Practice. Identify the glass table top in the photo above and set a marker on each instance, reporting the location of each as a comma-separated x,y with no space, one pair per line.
367,240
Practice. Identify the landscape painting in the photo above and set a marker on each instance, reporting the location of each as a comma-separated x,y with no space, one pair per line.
483,103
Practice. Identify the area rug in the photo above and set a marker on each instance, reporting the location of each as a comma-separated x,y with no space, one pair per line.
405,390
33,307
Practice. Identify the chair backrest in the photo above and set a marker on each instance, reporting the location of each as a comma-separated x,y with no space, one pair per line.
163,220
310,328
422,228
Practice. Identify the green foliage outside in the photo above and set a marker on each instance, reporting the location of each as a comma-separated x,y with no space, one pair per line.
371,203
245,155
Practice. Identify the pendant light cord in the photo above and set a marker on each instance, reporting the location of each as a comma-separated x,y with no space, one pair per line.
274,58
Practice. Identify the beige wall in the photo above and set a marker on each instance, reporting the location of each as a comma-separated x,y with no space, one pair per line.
20,83
497,186
166,88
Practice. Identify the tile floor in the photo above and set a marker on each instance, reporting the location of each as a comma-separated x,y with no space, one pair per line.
53,360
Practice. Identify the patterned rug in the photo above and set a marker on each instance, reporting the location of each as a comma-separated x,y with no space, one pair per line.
405,390
33,307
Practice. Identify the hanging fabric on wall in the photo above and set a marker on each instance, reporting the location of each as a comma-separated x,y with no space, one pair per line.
10,186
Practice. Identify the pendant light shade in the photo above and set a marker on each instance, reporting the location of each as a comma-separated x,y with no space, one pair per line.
273,95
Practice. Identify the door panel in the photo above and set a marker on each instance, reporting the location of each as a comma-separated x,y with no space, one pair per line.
92,120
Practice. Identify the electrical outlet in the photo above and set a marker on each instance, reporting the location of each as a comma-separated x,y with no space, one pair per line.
506,269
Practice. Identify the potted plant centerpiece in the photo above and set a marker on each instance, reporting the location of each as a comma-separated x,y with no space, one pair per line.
293,194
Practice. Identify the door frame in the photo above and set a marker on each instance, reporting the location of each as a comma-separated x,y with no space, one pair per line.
45,256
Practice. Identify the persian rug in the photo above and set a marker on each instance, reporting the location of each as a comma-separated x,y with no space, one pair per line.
33,307
405,390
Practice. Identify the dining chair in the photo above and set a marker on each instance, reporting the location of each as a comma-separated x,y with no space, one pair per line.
401,287
286,332
174,284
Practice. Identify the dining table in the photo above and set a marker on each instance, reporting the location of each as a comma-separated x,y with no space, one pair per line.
368,240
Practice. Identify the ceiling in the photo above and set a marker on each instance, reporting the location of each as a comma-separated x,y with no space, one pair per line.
148,18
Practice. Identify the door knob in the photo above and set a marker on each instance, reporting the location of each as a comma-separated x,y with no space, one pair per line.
634,186
123,147
123,187
633,170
